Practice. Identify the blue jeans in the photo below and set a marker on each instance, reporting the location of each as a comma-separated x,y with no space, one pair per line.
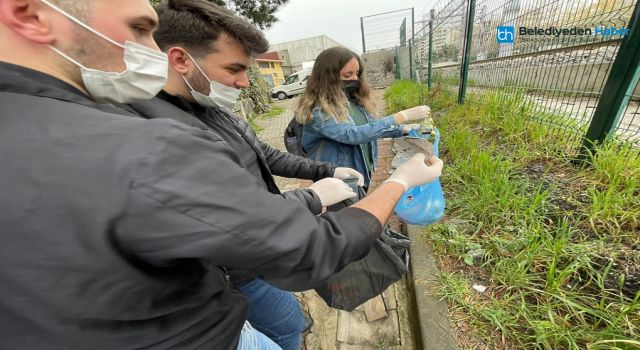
274,312
250,339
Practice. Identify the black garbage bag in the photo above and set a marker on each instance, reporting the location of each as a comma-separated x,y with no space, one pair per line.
364,279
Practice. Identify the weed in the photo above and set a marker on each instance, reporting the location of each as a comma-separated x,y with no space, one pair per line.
557,240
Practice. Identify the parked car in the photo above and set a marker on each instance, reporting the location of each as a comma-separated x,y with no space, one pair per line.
293,85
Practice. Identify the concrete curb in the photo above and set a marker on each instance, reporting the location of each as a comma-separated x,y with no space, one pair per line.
432,313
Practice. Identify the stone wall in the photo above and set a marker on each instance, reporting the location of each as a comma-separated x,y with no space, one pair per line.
379,67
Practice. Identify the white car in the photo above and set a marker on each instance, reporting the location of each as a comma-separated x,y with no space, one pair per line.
293,85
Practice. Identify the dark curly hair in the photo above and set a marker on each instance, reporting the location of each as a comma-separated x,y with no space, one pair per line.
196,24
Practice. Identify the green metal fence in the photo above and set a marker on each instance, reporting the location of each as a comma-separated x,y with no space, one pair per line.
576,62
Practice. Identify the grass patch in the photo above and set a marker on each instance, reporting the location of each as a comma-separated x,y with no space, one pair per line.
254,125
274,111
404,94
558,246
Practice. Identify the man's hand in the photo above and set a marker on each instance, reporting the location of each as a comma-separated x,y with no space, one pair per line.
346,173
332,191
416,172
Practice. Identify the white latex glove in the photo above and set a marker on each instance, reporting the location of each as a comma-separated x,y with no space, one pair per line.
332,191
415,113
346,173
416,172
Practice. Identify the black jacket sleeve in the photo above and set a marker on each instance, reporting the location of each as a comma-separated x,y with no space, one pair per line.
189,199
306,197
289,165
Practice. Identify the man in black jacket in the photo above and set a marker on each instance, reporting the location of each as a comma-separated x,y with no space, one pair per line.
114,227
228,41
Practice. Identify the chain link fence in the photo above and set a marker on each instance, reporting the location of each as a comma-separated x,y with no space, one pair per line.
576,63
385,30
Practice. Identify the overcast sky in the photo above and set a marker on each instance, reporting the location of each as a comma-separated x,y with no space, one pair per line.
340,20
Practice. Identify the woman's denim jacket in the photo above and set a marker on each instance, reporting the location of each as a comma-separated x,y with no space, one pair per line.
328,140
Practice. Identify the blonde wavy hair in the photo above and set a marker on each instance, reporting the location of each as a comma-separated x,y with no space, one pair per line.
324,87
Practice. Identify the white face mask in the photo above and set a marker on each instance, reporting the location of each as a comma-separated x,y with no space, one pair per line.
144,76
219,95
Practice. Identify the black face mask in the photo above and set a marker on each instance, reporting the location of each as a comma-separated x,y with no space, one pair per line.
350,87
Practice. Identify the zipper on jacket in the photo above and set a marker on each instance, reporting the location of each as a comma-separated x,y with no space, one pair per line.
227,277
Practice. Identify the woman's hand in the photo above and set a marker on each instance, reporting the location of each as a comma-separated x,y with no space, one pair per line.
412,114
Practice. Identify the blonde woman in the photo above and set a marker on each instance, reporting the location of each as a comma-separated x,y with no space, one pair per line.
336,111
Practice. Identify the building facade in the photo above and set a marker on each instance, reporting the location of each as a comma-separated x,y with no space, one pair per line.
294,53
270,66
